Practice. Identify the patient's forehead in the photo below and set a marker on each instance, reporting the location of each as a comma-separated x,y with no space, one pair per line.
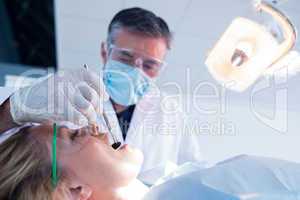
44,134
43,131
46,131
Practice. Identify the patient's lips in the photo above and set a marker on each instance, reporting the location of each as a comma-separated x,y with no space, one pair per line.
125,147
128,149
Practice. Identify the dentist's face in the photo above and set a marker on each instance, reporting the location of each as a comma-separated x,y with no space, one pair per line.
86,154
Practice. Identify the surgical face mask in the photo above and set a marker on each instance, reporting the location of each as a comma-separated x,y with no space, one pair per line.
125,84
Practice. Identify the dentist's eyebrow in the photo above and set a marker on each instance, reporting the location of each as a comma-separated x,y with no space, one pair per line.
126,53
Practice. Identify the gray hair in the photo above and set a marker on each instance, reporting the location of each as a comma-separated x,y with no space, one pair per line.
139,21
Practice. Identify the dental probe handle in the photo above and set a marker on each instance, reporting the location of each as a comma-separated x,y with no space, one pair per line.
116,144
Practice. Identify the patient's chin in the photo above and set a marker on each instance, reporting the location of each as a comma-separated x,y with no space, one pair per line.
132,160
132,155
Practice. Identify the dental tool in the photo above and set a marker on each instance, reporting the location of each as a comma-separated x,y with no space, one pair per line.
116,144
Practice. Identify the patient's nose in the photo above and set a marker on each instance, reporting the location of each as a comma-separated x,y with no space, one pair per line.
102,136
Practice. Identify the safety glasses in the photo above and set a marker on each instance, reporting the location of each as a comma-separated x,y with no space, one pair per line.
151,66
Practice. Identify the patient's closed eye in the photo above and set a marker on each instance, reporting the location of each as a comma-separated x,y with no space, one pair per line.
78,134
84,132
74,135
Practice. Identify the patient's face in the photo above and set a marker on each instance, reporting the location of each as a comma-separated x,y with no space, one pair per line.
86,154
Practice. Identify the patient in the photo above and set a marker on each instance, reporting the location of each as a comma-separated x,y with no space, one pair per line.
88,168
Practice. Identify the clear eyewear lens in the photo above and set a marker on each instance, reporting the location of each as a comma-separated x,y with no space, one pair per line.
149,65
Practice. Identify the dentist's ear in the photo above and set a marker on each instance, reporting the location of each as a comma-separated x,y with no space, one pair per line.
104,52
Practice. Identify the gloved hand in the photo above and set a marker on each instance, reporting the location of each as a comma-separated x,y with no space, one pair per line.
74,96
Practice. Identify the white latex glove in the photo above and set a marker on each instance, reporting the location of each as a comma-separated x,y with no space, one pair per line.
74,96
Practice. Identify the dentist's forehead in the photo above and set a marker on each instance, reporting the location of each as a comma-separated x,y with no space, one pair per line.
154,47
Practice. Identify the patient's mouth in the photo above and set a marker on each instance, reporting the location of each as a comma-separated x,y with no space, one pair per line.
125,146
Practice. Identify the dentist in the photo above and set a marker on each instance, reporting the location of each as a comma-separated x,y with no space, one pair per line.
144,117
139,113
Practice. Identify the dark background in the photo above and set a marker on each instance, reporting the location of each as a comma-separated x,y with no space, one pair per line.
27,36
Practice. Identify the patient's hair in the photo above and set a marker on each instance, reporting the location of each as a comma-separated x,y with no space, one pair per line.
25,169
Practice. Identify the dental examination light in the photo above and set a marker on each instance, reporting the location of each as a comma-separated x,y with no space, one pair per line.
247,50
